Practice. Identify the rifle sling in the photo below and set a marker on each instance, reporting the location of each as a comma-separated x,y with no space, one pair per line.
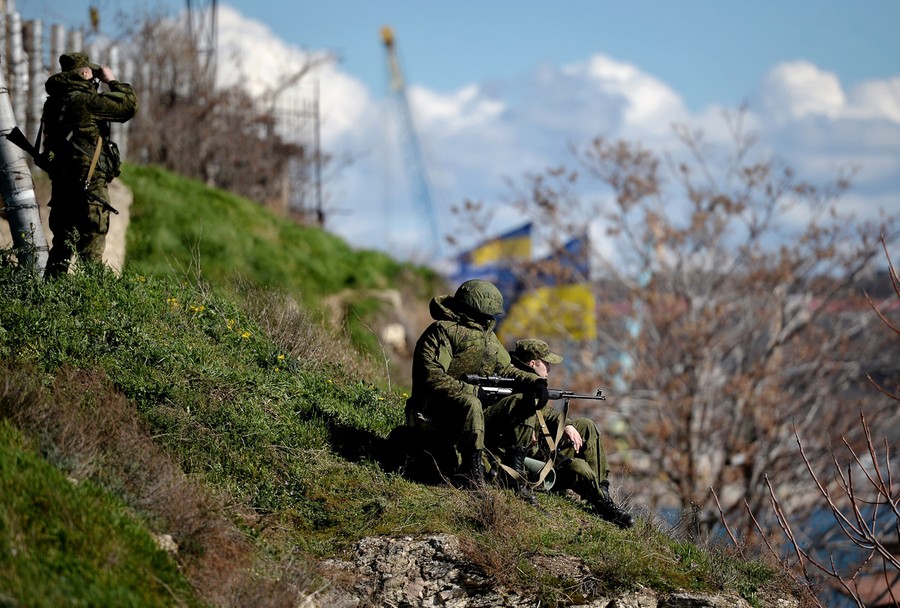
552,444
94,160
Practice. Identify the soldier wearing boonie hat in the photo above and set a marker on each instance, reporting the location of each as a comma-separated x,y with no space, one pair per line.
531,349
581,463
80,156
74,61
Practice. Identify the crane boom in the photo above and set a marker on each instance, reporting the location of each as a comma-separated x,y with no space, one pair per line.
417,170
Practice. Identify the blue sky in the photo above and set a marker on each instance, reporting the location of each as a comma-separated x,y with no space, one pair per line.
822,78
710,51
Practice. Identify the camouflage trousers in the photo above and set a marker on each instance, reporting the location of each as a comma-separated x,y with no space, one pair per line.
458,427
79,225
583,472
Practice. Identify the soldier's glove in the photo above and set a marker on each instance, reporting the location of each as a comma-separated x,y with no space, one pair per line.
541,393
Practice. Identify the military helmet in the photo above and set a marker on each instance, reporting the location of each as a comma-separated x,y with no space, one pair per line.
480,296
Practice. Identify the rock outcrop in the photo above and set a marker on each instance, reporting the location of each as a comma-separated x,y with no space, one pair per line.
433,571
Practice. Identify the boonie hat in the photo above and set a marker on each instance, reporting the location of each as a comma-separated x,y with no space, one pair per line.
531,349
73,61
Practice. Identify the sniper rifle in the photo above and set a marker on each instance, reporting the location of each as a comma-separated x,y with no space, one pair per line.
498,385
42,162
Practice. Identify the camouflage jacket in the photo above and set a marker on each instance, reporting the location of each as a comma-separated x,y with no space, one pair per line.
452,346
75,115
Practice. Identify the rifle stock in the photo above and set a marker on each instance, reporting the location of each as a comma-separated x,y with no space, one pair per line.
18,138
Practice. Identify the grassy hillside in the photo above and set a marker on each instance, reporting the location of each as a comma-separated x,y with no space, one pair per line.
179,224
161,403
180,227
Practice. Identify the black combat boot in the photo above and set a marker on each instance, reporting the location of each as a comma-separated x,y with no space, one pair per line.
471,474
517,464
604,507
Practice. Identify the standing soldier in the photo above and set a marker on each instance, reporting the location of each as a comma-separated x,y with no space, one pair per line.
82,158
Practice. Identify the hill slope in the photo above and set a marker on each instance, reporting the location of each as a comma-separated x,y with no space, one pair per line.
170,402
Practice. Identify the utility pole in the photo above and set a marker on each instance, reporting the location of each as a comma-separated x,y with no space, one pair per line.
203,31
317,144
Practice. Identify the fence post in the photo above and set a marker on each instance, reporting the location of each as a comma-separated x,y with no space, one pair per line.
4,41
57,47
76,40
34,48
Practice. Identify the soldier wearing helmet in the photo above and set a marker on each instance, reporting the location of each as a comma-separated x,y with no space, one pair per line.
460,341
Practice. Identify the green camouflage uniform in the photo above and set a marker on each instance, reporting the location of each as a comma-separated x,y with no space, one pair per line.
75,116
460,341
584,472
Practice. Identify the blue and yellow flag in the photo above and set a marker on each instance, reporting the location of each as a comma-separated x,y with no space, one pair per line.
562,303
547,312
545,298
512,246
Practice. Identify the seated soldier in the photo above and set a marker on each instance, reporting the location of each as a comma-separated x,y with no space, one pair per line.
445,414
581,462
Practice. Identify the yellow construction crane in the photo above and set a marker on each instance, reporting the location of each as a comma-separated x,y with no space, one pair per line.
415,164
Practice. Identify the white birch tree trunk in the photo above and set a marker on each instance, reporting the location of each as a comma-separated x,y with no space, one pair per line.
18,65
17,192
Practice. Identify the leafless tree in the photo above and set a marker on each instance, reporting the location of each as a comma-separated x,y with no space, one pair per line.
728,308
224,137
862,497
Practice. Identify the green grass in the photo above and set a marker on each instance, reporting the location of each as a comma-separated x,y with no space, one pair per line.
180,225
259,418
66,544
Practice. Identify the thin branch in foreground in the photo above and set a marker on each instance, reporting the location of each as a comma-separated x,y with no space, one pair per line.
725,523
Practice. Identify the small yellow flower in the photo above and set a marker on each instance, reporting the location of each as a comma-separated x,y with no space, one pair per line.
141,279
198,308
405,395
245,334
173,302
281,357
230,323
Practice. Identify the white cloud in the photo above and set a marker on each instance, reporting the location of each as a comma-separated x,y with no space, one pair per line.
464,109
251,55
650,105
877,100
822,131
799,89
477,135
